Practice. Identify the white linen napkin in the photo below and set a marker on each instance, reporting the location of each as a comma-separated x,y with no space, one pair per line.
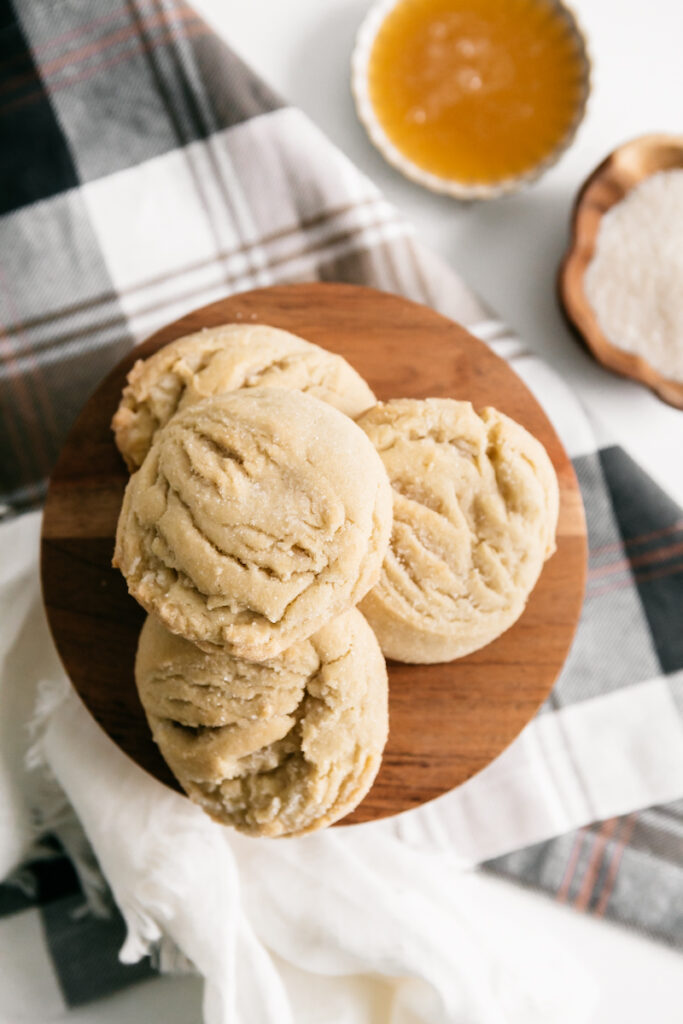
406,928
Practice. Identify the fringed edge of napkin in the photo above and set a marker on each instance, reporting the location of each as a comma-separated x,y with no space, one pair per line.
54,815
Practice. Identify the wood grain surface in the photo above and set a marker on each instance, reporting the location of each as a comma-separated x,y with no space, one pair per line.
446,721
609,183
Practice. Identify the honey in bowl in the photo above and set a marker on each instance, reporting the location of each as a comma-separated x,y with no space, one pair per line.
477,91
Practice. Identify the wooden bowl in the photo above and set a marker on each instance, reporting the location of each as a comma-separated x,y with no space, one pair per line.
447,721
609,184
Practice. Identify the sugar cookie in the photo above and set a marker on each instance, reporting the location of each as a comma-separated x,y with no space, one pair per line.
256,517
475,511
223,359
278,748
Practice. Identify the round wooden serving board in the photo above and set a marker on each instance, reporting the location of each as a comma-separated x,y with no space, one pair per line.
446,721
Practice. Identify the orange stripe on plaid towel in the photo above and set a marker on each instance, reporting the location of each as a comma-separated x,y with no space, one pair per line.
655,574
593,867
164,37
613,869
88,26
658,555
642,538
74,57
82,30
638,577
563,891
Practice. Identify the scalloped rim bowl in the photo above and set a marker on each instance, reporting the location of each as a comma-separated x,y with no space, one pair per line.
360,60
608,184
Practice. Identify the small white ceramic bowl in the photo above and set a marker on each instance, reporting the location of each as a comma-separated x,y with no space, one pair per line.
360,60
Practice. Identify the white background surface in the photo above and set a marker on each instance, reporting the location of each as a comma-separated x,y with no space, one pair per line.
509,251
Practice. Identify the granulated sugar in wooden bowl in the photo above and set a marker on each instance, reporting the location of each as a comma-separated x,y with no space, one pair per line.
621,283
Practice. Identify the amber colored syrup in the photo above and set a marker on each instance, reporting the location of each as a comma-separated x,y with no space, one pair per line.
475,90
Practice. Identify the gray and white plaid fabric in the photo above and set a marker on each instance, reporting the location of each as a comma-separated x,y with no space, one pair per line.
145,171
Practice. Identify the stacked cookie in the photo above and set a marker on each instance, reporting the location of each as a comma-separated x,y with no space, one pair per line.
259,515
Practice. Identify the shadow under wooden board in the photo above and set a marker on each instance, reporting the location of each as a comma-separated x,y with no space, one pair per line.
447,721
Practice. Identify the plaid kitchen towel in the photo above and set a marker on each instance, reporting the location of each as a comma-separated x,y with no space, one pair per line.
145,171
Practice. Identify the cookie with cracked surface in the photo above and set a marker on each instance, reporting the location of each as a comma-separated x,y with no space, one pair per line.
475,512
278,748
256,517
222,359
